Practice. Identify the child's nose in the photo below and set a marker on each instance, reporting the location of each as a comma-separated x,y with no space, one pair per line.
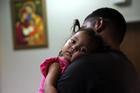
74,48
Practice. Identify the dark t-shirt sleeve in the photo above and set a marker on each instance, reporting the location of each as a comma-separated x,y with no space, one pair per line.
98,73
73,79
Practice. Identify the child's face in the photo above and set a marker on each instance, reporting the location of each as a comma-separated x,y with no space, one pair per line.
79,44
24,16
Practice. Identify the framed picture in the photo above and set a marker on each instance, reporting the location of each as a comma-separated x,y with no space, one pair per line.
29,24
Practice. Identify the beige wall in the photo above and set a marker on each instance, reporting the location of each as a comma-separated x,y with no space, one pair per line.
19,70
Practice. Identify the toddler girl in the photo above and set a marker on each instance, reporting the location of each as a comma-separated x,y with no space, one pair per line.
82,42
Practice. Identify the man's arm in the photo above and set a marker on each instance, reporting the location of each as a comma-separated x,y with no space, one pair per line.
77,77
99,73
51,78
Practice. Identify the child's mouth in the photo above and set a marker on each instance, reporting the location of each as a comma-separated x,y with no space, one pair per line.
68,53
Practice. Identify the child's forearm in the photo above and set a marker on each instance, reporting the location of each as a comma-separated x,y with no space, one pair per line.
50,89
51,78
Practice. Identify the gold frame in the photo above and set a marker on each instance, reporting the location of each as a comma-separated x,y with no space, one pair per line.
29,24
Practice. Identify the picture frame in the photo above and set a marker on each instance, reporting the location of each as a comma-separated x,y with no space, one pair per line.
29,24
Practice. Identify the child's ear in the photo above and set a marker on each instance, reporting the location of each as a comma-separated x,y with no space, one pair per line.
99,25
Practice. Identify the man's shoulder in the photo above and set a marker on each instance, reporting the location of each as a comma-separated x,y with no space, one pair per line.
105,59
110,55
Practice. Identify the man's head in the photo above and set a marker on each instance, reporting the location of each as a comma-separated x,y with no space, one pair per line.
109,23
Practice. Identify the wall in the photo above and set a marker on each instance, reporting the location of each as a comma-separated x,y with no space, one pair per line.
19,70
131,44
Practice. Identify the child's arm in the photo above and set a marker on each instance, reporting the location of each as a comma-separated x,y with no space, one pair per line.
50,81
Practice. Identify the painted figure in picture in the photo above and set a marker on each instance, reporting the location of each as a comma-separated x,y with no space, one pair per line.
30,29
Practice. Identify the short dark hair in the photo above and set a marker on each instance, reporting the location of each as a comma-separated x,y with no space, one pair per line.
112,15
89,32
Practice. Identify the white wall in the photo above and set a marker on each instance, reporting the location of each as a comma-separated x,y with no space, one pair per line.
19,70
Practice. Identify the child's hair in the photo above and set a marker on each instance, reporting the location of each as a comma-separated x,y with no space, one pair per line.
90,33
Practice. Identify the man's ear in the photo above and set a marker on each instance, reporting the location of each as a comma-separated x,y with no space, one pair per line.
99,25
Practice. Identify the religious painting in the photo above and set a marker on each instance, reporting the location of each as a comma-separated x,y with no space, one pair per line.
29,23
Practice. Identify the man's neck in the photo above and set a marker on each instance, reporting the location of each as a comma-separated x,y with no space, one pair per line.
111,43
115,47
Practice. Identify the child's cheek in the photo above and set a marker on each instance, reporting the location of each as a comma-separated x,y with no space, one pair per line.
76,55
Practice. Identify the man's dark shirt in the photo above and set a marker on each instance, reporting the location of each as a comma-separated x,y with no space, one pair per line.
102,72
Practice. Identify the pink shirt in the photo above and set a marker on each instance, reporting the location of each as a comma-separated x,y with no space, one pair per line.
45,65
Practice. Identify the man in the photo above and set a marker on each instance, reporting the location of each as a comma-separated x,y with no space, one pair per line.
106,71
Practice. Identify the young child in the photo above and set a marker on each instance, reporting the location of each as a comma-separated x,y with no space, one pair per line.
82,42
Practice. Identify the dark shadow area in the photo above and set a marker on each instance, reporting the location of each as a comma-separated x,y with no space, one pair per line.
127,3
131,26
131,44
